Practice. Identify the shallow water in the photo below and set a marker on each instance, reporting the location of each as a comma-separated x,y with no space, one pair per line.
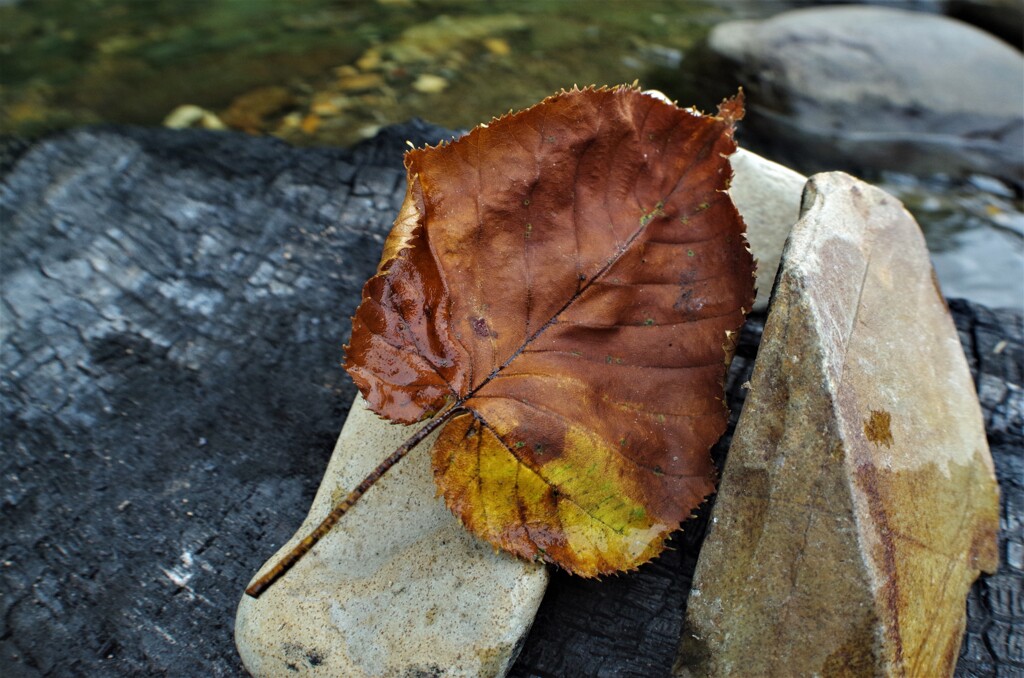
72,61
335,71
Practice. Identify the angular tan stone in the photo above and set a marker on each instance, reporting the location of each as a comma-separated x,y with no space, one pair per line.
767,194
397,588
858,502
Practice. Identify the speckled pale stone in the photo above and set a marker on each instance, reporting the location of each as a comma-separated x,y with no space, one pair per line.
858,501
767,195
398,588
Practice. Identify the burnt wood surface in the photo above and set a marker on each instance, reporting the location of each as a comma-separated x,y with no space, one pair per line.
172,310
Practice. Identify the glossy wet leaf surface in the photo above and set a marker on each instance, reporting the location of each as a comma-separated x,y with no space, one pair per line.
562,286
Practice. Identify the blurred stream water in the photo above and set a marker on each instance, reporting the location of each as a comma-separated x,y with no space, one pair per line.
321,72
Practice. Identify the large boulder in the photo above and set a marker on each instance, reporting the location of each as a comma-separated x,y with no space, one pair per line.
878,88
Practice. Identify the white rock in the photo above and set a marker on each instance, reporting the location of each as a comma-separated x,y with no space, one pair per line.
767,195
398,588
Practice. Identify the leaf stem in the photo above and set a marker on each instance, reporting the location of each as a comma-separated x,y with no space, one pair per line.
341,508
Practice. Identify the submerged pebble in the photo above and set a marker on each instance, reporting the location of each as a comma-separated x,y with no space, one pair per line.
430,84
188,115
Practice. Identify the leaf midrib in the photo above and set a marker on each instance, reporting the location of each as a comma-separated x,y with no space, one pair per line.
644,224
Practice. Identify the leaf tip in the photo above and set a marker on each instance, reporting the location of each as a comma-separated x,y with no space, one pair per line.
733,109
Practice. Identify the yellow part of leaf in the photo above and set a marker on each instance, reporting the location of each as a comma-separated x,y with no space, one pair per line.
513,506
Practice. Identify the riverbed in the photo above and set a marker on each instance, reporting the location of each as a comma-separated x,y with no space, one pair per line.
327,72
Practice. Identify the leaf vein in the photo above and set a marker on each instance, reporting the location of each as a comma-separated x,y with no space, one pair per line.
569,422
700,366
416,351
560,492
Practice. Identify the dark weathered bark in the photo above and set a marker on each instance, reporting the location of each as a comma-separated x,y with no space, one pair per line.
174,307
172,310
994,343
